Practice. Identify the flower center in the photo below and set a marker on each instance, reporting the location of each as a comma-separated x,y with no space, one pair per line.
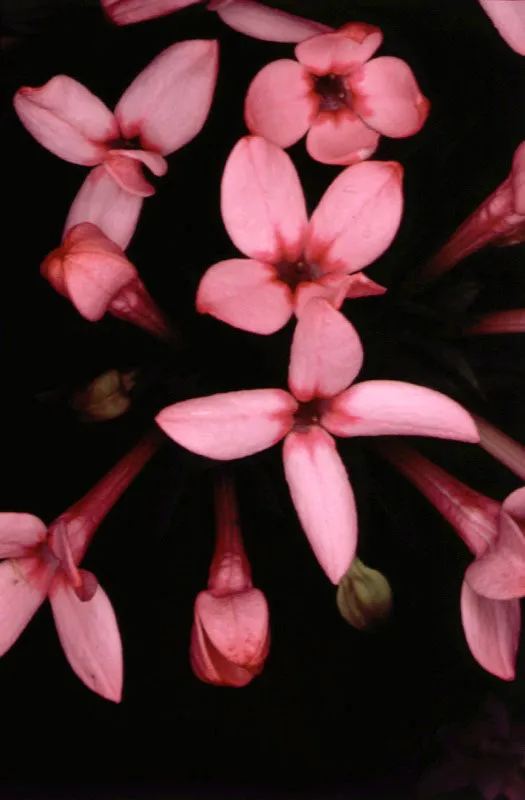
333,92
309,414
295,272
125,144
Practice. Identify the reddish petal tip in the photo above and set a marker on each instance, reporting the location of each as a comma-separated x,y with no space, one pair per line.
396,168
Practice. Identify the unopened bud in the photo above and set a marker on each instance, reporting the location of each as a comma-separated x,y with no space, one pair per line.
364,596
106,397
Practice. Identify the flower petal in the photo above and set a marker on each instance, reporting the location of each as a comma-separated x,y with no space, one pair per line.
210,666
386,96
500,573
390,408
167,104
326,354
128,174
518,179
231,425
262,22
340,52
323,498
104,203
508,16
246,294
280,103
341,138
125,12
358,216
333,287
24,583
492,631
89,634
262,202
20,533
67,119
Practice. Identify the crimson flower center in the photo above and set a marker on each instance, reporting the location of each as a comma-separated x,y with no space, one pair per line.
333,91
309,414
125,144
295,272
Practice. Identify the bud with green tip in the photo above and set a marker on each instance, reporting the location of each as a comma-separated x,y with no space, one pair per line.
364,596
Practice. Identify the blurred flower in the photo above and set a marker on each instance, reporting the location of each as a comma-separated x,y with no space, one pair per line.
231,633
364,595
338,96
291,259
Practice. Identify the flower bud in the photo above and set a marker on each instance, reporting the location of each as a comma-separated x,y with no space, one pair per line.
106,397
364,596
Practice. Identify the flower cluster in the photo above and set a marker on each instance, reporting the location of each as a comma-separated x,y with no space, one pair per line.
296,270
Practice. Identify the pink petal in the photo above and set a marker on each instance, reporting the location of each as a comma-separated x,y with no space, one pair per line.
67,119
339,53
262,22
246,294
386,95
333,287
514,504
236,625
167,104
323,498
262,202
280,103
500,573
102,202
24,583
360,285
508,17
231,425
518,179
90,637
357,218
492,631
20,533
153,161
326,354
389,408
129,176
340,138
210,666
125,12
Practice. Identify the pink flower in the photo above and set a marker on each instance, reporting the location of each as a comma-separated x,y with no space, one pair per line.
290,259
499,220
344,100
491,619
93,272
326,357
231,634
43,562
508,17
162,110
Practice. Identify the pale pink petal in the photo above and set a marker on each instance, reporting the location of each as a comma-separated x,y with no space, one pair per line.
323,498
511,321
262,22
341,138
492,631
518,179
90,637
20,533
500,573
262,202
210,666
389,408
326,354
360,285
167,104
340,52
129,176
358,216
246,294
333,287
67,119
102,202
125,12
514,504
231,425
508,17
236,625
153,161
24,583
280,103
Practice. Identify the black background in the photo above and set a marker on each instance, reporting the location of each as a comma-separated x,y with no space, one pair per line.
338,712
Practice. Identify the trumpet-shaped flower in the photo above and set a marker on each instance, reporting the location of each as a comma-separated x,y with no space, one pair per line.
163,109
93,272
43,562
326,357
508,16
231,634
291,259
338,95
491,615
